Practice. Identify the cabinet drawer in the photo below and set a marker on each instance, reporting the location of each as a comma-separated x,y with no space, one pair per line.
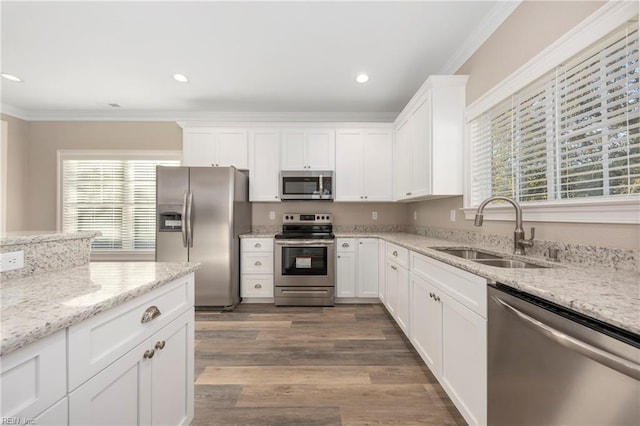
346,244
256,286
466,288
99,341
399,254
264,245
257,263
34,377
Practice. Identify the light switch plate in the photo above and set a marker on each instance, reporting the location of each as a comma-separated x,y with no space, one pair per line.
12,260
272,215
452,215
374,215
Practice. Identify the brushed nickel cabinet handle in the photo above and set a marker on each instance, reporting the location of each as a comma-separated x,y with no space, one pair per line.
148,354
345,244
257,286
258,263
394,268
160,344
257,245
150,314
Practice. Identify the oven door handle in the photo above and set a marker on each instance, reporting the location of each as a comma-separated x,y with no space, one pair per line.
305,242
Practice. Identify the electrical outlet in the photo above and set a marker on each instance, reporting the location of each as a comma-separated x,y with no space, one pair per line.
272,215
415,215
374,215
11,261
452,215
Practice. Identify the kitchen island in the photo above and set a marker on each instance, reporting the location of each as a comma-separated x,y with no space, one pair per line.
77,342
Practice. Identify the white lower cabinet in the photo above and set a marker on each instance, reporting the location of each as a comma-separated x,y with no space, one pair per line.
448,329
150,384
256,269
56,415
34,378
397,285
357,268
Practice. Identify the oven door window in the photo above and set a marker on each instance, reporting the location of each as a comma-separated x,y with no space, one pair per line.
304,260
300,185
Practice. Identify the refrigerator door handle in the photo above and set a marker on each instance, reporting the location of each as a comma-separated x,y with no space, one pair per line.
189,224
183,225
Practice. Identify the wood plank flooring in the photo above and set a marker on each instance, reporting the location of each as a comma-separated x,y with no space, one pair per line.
344,365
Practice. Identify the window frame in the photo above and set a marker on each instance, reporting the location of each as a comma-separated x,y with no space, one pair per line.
621,210
62,155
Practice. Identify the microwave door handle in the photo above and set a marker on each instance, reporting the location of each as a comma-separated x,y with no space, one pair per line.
320,185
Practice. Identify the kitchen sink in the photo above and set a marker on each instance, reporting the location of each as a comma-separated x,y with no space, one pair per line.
469,253
489,259
508,263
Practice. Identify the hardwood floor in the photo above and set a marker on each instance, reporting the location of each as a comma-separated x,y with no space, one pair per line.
344,365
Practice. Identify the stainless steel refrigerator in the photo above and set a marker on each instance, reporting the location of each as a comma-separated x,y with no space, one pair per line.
201,211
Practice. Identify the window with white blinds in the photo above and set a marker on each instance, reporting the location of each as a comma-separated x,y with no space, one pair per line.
572,134
112,194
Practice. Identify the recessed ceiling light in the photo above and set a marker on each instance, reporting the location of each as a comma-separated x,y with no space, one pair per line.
362,78
181,78
11,77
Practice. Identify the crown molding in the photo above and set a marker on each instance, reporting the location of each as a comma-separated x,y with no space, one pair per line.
488,26
13,111
205,116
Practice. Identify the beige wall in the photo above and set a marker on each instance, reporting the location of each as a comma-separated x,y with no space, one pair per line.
46,138
344,213
17,173
530,29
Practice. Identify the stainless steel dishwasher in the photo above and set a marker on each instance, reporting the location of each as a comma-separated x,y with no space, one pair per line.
548,365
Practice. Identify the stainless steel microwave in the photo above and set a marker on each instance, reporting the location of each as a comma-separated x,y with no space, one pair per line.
306,185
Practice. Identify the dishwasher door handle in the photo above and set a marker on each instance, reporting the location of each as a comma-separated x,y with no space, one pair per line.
613,361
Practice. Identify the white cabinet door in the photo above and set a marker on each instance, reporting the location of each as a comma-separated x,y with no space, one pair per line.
391,287
377,165
172,381
420,148
345,274
293,149
402,300
264,165
321,149
118,395
308,149
56,415
403,162
232,148
426,323
199,148
367,267
382,268
464,352
349,165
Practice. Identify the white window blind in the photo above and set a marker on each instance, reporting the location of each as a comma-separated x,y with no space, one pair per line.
113,196
573,133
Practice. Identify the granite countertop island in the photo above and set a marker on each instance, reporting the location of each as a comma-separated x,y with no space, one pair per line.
38,305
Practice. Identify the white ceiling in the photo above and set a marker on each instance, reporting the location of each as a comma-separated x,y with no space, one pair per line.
244,59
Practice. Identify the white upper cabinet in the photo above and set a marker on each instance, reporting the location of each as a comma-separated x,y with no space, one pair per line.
308,149
264,164
217,147
364,164
429,141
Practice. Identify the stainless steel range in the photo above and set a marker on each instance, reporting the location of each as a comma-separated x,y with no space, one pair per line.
305,261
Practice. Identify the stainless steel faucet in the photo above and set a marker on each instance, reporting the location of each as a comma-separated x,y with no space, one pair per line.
519,241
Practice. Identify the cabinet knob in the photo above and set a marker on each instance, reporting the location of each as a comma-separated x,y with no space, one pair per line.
395,253
345,244
258,245
258,263
257,286
276,197
408,193
150,314
160,344
437,298
361,197
148,354
366,197
394,268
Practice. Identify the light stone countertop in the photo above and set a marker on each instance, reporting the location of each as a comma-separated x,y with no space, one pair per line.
30,237
38,305
604,294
